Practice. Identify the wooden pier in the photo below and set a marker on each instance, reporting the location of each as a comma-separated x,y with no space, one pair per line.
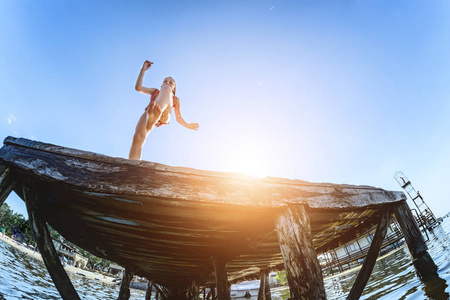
186,229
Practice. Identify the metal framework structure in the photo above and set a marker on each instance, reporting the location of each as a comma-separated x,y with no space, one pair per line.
425,216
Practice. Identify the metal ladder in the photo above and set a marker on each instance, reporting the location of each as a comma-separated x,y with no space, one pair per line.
425,217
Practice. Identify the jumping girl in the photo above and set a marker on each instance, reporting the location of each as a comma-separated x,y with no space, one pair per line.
158,112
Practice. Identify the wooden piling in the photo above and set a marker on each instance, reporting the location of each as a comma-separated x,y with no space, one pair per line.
124,293
423,263
264,286
148,294
299,255
193,291
6,184
44,242
371,258
223,288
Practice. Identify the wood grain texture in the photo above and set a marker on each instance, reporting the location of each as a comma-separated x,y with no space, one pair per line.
423,263
222,284
299,256
264,286
167,222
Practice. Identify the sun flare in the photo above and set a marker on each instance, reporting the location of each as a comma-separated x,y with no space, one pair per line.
248,159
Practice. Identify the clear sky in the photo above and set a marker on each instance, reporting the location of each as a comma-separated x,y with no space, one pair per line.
323,91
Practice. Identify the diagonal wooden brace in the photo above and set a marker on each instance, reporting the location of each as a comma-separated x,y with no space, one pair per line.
371,258
45,244
6,183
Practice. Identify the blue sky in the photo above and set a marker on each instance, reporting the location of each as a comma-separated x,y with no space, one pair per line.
324,91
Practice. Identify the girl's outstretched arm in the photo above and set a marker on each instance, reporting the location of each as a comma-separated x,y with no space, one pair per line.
139,87
179,118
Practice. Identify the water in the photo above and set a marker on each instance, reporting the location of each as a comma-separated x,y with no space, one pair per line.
393,277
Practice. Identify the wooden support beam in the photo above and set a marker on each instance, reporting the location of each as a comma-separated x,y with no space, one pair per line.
264,286
371,258
299,255
223,288
6,183
44,242
212,293
148,294
124,293
194,293
423,263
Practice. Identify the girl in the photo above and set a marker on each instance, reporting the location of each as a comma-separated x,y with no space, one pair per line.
158,112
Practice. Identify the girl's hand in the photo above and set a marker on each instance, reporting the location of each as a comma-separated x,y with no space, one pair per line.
193,126
147,65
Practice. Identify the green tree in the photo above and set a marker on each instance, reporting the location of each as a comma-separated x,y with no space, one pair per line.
282,278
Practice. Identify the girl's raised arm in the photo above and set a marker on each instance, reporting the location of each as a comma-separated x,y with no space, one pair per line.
139,87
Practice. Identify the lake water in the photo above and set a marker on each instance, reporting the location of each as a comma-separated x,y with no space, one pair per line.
393,277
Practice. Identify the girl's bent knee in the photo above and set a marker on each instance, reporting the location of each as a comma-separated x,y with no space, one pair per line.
154,109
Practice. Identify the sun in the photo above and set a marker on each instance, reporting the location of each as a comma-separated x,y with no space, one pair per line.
248,159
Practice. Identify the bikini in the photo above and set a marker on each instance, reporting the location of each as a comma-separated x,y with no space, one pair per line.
152,100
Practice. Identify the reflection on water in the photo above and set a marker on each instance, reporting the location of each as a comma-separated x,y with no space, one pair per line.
392,278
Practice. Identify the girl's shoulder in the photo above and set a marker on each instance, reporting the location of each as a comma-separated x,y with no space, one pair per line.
176,101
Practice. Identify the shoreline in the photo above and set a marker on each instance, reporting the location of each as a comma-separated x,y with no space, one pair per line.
97,277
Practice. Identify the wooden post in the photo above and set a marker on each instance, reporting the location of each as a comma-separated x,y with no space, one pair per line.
264,286
194,293
124,293
148,294
212,293
6,184
299,255
423,263
223,288
371,258
44,242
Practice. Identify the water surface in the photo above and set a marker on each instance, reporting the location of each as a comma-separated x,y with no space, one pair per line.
393,277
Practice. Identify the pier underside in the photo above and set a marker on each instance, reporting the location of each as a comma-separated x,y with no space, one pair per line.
166,223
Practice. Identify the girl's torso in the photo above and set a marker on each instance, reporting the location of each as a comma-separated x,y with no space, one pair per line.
165,100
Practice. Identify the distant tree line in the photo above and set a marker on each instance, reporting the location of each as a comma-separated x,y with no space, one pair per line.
16,226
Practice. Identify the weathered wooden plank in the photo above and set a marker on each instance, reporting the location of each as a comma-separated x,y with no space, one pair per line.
423,263
104,174
264,286
169,221
371,258
220,271
6,183
44,242
300,259
124,292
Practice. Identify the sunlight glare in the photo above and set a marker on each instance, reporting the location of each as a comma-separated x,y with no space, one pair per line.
248,159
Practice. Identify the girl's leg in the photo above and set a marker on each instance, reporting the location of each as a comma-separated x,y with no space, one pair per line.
145,124
154,113
139,137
